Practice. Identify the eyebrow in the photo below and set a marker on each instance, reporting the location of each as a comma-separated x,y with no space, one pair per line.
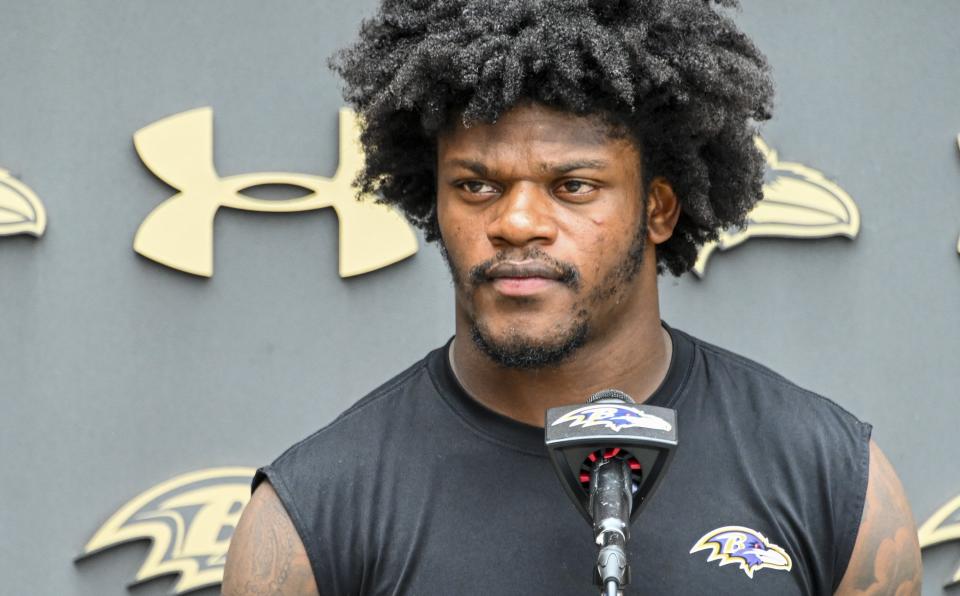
569,166
480,169
474,166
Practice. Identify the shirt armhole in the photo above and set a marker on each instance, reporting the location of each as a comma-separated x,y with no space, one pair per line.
269,474
850,515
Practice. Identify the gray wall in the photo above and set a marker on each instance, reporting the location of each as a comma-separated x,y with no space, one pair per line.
117,374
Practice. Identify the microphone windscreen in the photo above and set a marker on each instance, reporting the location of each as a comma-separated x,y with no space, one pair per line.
610,395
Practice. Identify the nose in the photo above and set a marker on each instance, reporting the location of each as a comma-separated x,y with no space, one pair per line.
523,215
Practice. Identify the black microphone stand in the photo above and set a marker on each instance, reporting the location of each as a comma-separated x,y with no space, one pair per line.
610,455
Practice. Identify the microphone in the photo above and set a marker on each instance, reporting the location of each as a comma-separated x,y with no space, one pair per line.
610,456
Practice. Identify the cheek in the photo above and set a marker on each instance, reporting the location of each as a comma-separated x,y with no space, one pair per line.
589,244
461,235
604,240
451,227
600,244
600,255
443,214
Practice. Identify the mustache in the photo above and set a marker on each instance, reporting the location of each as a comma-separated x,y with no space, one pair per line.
538,261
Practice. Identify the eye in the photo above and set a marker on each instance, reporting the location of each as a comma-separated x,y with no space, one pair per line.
576,188
477,187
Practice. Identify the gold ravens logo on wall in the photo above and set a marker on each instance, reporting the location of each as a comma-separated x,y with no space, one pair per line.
21,211
798,202
189,519
942,527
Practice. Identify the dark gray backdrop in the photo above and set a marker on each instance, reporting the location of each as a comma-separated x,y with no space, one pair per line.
117,374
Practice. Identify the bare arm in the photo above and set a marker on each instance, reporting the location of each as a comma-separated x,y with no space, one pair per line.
886,557
266,556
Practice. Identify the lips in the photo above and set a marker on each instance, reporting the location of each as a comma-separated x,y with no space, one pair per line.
522,270
523,278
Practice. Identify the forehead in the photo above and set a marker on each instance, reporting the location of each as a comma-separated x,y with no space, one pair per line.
531,130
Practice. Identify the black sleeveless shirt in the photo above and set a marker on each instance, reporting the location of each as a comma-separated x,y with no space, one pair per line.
419,489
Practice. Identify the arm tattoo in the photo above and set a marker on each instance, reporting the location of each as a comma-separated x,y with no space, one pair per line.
267,558
886,558
271,567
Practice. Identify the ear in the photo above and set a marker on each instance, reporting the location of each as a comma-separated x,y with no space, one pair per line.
663,210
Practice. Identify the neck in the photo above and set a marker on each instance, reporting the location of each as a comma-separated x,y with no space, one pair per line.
633,358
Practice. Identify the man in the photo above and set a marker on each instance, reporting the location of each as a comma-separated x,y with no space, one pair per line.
563,153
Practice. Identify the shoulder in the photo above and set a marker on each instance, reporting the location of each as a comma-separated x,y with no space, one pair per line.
266,553
798,430
762,391
367,419
313,483
366,434
886,557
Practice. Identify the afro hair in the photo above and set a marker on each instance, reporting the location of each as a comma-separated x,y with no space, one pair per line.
676,75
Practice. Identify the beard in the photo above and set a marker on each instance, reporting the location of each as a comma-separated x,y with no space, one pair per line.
520,351
516,348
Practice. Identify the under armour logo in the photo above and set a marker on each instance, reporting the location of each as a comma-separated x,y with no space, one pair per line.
179,232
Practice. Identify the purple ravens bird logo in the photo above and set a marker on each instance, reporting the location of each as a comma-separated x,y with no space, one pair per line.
736,545
614,417
189,520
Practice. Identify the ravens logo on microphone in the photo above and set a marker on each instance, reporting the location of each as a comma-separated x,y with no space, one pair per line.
189,519
613,416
